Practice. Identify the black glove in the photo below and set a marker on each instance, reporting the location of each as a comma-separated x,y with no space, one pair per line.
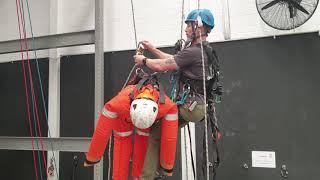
165,172
88,163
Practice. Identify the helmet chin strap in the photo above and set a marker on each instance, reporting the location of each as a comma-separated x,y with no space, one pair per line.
194,28
195,25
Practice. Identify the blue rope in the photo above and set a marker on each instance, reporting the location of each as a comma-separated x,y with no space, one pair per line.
37,63
183,98
32,101
173,81
41,85
173,95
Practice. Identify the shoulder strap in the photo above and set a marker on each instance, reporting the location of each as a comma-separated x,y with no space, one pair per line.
138,87
145,81
162,95
212,55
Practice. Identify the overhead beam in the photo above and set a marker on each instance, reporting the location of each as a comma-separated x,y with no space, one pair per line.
68,144
50,41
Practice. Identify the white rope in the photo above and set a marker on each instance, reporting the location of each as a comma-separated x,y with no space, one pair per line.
205,108
182,19
185,150
125,84
204,95
136,42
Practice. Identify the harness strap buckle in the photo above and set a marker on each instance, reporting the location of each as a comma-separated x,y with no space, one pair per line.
186,88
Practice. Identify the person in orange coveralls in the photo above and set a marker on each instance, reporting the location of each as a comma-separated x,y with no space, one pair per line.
135,109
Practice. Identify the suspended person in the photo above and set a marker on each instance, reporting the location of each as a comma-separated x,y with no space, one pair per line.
188,64
135,108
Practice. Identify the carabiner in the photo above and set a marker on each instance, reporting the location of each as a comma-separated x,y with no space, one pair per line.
186,86
140,71
140,49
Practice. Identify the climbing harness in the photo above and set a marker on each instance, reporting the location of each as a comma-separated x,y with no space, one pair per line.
185,94
141,79
211,90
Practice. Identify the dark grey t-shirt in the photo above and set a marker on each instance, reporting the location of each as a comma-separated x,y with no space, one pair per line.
189,62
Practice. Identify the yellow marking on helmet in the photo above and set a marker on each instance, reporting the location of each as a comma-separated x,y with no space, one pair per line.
146,94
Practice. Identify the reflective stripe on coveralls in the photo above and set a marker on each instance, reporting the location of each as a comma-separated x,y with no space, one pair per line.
109,114
122,134
171,117
142,133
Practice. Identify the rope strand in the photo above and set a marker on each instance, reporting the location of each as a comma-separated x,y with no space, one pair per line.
32,101
205,102
41,87
205,108
134,24
32,85
182,19
126,82
185,134
26,90
136,42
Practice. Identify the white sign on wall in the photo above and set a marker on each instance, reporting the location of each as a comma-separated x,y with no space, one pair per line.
264,159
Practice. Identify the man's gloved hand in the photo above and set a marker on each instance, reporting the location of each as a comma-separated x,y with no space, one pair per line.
91,162
164,172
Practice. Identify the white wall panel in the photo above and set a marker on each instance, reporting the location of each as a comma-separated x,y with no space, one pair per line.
40,13
156,21
76,15
216,8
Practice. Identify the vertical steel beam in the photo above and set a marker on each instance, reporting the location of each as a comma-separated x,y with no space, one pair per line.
54,94
99,73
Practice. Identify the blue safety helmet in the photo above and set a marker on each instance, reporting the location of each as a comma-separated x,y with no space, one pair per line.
205,14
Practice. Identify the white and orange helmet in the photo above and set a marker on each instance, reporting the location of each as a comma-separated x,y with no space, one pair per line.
143,110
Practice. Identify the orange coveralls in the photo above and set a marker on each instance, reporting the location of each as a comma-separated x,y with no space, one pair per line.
116,116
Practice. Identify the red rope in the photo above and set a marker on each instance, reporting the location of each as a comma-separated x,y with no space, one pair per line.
26,92
32,90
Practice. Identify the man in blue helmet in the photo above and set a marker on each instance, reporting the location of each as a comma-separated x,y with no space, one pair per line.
188,63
